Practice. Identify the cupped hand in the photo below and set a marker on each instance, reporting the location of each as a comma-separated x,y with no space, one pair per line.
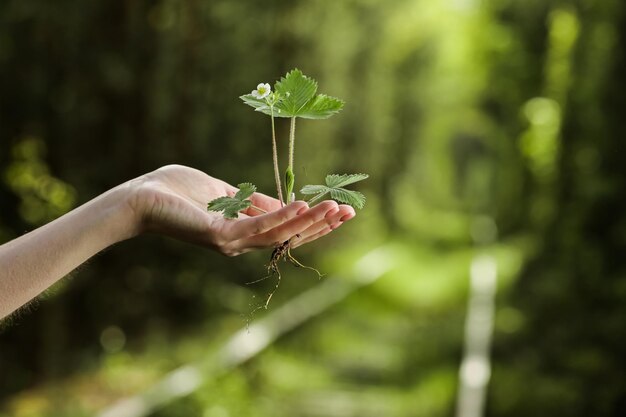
172,201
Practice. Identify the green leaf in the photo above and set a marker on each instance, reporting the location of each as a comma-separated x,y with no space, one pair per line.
257,104
246,189
321,107
334,186
220,203
232,212
354,198
314,189
297,99
231,206
296,90
334,180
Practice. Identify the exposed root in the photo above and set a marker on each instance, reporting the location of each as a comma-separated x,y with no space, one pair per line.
298,264
280,252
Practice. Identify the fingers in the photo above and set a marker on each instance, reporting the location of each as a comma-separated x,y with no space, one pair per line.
295,221
346,213
260,224
293,227
333,220
263,202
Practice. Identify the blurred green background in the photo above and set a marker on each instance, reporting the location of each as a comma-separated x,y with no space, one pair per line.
493,131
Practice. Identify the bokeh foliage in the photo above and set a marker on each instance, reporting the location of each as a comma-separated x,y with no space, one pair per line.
474,119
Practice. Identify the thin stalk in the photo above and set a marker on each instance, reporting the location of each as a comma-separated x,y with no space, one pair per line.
314,199
292,140
259,209
275,158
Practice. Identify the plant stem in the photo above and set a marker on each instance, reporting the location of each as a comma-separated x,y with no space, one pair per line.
275,158
292,140
259,209
314,199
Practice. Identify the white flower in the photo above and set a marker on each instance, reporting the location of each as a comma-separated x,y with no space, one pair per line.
262,91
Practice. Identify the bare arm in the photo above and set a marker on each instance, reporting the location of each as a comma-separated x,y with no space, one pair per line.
170,201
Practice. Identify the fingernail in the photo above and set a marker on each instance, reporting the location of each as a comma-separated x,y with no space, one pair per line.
331,213
346,217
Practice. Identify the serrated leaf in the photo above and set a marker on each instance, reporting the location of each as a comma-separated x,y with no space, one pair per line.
232,212
314,189
321,107
296,90
220,203
231,206
334,185
297,99
246,189
353,198
335,180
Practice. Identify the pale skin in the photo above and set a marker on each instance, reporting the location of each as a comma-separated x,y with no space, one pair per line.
170,201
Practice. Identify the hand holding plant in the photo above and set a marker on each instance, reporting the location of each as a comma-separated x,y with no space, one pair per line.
171,201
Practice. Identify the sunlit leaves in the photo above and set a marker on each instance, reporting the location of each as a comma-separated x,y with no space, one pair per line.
295,95
321,107
296,98
334,180
296,90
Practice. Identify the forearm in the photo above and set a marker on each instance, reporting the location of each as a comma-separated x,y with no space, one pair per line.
35,261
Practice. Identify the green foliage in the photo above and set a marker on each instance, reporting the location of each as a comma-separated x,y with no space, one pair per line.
296,90
320,107
231,206
296,98
260,105
334,186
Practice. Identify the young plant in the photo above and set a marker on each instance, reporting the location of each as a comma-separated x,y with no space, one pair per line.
294,96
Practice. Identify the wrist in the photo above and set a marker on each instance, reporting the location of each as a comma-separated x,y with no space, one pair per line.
120,212
138,199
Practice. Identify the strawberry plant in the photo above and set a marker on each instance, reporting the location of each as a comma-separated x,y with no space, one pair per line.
294,96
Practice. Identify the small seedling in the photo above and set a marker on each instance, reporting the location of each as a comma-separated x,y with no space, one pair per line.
294,96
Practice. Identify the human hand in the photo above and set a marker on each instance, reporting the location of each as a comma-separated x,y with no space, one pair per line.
172,201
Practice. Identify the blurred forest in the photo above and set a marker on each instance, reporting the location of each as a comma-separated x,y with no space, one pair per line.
490,128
